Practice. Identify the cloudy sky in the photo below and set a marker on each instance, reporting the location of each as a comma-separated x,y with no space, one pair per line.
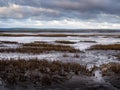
60,13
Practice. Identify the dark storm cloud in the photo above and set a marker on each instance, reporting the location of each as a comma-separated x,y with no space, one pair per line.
61,9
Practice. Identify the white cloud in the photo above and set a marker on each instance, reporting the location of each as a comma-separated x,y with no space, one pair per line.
73,24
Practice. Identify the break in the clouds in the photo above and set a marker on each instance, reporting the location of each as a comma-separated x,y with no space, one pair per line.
60,13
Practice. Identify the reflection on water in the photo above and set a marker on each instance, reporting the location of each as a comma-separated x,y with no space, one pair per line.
98,76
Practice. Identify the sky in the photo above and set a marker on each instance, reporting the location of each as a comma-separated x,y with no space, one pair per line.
73,14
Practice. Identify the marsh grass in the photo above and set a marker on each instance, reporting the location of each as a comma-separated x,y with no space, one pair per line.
38,72
8,42
51,47
76,55
106,47
118,36
117,56
65,42
39,47
65,55
89,41
54,35
41,35
12,35
110,69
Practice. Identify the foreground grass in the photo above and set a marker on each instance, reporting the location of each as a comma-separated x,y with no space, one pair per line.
106,47
40,47
110,69
38,72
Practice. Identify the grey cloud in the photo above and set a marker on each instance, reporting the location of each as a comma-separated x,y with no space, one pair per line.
63,9
14,11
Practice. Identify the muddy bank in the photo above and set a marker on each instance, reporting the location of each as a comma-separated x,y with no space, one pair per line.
75,83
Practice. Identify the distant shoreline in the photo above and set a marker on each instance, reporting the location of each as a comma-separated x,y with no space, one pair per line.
58,30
